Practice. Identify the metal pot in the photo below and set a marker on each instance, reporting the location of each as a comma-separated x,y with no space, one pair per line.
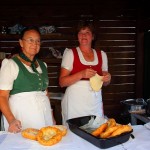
134,105
148,107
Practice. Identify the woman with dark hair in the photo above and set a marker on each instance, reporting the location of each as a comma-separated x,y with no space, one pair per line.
24,100
78,66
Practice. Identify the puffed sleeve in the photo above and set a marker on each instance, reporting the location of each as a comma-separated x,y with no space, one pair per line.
104,61
67,60
8,73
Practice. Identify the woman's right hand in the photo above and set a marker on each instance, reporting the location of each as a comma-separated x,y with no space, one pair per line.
15,126
88,73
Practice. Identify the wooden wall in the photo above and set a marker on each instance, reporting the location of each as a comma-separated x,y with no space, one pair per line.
117,25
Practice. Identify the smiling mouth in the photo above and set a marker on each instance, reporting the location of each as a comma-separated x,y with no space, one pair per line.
84,39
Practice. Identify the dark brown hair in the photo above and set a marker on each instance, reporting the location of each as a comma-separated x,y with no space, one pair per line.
28,29
86,24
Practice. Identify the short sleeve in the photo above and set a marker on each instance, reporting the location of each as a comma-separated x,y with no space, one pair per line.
45,64
8,73
67,60
104,61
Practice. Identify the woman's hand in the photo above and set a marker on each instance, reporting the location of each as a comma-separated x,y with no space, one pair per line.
67,79
15,126
88,73
106,78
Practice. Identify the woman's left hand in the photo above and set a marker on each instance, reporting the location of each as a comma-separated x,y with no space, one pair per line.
106,77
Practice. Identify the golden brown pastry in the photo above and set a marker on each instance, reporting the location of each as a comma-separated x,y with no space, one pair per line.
111,122
62,128
30,133
49,136
120,130
99,130
109,131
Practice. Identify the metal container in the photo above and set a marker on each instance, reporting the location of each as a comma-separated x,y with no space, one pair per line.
134,105
148,107
76,123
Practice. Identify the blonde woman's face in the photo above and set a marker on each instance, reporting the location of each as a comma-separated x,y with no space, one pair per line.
30,43
85,36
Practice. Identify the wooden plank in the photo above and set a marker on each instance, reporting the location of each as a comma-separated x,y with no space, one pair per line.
120,68
53,61
51,43
124,55
59,36
121,61
119,30
62,43
55,89
109,98
116,48
115,36
53,68
120,79
116,23
50,36
114,43
54,81
122,73
126,87
102,31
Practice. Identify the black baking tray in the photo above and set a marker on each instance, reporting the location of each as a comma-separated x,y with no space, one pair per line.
75,123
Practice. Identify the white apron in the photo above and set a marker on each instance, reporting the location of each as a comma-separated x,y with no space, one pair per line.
33,109
80,100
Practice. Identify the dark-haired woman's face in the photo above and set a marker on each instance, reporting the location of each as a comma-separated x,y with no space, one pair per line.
85,37
30,43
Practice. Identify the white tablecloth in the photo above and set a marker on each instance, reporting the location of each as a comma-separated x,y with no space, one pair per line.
9,141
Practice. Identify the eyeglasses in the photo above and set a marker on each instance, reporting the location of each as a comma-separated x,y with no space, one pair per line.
31,41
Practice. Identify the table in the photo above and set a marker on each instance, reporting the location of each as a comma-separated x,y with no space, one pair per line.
10,141
141,117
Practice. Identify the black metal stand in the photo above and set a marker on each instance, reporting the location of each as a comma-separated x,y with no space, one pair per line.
142,117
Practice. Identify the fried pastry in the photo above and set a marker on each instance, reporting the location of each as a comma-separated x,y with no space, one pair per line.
49,136
99,130
30,133
109,131
62,128
111,122
121,129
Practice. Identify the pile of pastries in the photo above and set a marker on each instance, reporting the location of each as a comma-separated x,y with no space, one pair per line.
111,129
47,136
